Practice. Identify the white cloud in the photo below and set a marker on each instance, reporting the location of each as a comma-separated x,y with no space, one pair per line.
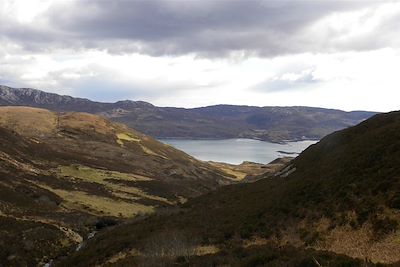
342,57
372,27
24,11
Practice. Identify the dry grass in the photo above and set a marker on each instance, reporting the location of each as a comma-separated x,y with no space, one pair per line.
355,243
148,151
255,241
97,175
197,251
17,164
358,244
28,121
239,175
102,177
126,137
71,237
98,205
86,122
122,255
239,172
130,137
206,250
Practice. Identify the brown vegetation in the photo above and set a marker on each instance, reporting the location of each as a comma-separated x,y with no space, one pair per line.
338,195
72,169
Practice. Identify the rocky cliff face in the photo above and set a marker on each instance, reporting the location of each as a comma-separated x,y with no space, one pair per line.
32,96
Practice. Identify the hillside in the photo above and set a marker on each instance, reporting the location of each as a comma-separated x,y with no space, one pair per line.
275,124
340,195
62,175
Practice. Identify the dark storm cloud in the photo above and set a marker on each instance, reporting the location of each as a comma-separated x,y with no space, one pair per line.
162,27
203,27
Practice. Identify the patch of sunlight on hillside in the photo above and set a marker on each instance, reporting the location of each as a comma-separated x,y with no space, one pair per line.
110,180
99,205
121,137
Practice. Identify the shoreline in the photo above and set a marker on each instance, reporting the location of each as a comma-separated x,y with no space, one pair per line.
236,138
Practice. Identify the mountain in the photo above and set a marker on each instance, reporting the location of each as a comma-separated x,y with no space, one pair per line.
63,175
341,196
275,124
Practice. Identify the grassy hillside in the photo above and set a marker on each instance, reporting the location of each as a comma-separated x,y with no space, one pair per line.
340,195
62,175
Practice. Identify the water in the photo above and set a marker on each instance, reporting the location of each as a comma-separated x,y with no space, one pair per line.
235,151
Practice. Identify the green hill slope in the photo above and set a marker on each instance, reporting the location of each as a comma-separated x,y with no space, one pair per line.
340,195
64,174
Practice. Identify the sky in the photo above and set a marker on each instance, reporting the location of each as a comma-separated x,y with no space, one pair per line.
189,53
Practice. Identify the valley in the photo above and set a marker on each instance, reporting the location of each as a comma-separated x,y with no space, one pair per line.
77,180
220,133
63,173
336,197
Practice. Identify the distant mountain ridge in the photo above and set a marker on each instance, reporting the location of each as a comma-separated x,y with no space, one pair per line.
37,98
275,124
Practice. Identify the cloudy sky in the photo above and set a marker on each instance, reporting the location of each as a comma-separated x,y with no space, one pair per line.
188,53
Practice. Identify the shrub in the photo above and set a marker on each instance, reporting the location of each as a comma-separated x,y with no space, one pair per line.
105,222
309,237
394,202
171,244
383,226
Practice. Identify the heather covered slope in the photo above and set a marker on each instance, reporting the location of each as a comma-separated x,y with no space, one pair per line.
63,173
214,122
340,195
95,143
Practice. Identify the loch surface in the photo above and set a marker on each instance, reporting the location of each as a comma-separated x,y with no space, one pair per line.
235,151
